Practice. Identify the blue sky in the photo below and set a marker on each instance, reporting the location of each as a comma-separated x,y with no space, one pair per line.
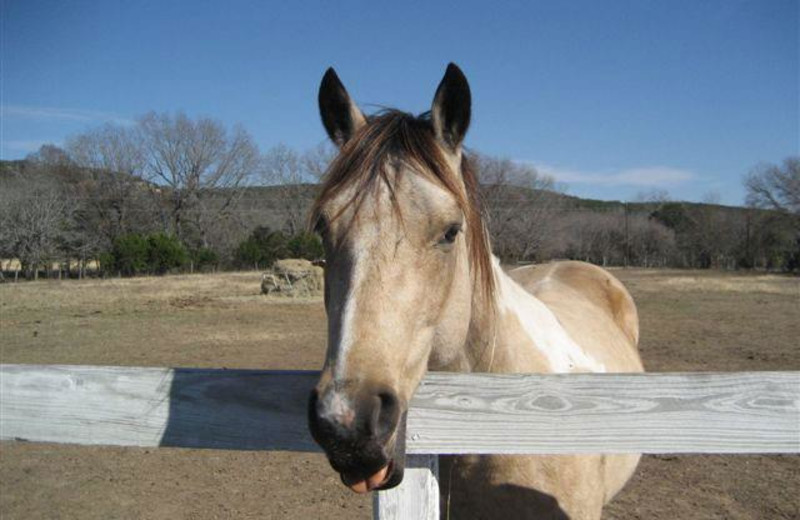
612,98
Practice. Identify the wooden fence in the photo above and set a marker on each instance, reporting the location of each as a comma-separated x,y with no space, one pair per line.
740,412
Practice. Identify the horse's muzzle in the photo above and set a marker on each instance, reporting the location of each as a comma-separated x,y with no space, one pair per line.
363,435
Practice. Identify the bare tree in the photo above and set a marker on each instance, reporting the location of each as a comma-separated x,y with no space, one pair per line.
49,155
778,188
115,199
33,215
201,166
316,160
522,205
775,187
291,174
651,244
49,170
658,195
110,148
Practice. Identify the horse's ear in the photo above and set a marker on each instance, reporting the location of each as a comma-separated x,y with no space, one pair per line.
451,108
341,117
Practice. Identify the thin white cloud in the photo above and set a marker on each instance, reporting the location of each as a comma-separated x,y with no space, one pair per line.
645,176
63,114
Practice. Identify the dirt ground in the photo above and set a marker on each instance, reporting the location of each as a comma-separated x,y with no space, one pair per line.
690,321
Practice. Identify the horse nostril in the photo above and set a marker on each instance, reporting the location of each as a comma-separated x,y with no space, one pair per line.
374,414
386,416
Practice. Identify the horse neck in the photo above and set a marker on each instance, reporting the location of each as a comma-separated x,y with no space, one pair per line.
496,341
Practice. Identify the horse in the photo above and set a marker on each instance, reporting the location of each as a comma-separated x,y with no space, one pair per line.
411,285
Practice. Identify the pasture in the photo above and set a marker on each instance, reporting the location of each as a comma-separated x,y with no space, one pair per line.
690,321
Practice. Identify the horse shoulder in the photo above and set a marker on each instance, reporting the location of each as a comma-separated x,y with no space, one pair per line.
569,287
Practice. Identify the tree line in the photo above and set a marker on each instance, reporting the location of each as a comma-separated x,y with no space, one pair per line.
171,193
531,221
113,197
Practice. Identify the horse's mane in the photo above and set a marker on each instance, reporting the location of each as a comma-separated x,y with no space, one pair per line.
392,135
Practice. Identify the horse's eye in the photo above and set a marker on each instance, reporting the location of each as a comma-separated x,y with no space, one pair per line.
320,226
451,234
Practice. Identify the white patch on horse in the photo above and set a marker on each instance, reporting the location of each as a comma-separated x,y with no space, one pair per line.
338,409
360,258
346,334
542,327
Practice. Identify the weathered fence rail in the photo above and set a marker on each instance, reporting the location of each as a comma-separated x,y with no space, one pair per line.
742,412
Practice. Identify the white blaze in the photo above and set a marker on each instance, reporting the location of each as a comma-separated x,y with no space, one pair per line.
346,324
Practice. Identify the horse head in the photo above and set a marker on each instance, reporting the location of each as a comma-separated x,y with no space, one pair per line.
407,257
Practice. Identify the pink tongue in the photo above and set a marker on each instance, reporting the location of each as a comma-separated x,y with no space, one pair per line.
373,482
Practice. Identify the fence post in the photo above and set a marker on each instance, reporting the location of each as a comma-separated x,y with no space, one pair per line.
416,498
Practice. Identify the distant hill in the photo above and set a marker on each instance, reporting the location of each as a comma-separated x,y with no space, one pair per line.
269,197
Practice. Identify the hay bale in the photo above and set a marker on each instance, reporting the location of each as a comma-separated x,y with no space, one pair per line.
292,269
269,284
293,277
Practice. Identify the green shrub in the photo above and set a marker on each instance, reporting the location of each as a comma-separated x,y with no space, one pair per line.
130,254
261,249
306,245
135,254
106,260
204,258
165,252
248,254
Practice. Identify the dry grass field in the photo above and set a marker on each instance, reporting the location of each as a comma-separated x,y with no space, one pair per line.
690,321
